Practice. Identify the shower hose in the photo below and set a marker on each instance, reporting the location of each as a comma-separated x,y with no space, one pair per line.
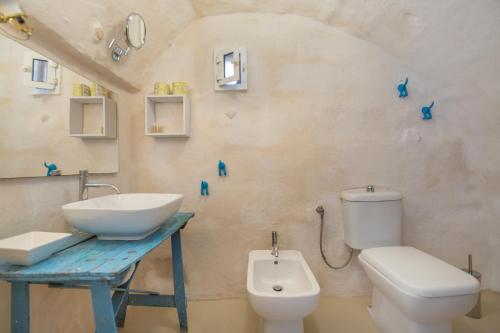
321,211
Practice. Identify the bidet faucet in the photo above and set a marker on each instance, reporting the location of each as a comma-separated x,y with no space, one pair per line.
83,188
275,251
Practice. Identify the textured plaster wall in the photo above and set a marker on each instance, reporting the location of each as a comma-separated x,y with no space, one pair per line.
70,29
321,114
409,29
72,26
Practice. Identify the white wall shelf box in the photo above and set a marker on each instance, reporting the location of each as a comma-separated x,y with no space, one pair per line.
92,117
169,112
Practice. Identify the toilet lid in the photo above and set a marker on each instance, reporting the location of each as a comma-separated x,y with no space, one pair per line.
419,273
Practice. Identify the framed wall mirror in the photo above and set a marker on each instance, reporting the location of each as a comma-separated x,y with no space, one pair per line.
35,95
135,31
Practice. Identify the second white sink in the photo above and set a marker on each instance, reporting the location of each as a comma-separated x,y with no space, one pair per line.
32,247
130,216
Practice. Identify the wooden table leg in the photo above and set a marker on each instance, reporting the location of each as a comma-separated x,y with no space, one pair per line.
120,299
20,307
103,307
120,302
179,293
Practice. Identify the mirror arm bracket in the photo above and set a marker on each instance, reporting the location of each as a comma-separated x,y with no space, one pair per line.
117,52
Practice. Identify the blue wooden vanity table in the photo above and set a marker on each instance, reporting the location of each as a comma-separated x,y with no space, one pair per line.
104,267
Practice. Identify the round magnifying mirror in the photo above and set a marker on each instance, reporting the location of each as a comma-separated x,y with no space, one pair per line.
135,31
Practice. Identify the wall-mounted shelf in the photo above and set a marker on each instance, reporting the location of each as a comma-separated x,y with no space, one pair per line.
92,117
171,113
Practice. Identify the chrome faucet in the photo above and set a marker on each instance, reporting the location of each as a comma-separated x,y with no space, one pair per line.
275,251
83,188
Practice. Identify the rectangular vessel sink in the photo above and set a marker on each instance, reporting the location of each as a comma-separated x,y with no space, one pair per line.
130,216
32,247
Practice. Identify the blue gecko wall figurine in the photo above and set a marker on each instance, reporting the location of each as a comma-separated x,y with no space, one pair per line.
222,169
403,91
204,188
50,168
426,112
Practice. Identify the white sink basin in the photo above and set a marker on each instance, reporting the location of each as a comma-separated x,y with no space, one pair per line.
130,216
32,247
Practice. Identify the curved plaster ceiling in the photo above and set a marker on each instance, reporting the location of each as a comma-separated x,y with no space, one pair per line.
410,30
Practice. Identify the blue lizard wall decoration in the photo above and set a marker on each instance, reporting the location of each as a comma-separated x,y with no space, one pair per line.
51,167
204,188
403,91
426,112
222,169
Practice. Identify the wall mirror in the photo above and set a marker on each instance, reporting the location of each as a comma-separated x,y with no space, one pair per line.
135,31
35,95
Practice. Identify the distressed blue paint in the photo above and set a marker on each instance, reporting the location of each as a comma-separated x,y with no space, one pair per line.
20,307
204,188
402,88
103,307
120,299
222,169
165,301
426,112
93,259
178,270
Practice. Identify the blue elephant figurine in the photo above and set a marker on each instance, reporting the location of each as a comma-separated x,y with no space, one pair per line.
403,91
426,112
50,168
222,169
204,188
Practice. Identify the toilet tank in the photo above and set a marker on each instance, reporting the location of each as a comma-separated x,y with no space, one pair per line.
372,217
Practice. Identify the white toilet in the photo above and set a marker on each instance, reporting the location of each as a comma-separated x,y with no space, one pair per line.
413,292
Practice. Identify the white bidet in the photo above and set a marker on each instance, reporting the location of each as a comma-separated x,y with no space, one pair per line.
282,290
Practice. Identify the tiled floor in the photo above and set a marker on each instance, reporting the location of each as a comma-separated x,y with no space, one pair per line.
343,315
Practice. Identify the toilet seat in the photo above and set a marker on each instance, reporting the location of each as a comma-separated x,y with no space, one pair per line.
419,273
